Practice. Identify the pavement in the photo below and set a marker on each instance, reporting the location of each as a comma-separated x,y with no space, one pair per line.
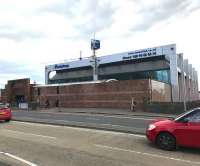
105,111
49,145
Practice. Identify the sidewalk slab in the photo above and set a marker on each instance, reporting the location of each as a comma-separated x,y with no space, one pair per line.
103,111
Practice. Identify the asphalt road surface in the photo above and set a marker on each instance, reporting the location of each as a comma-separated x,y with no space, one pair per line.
131,124
33,144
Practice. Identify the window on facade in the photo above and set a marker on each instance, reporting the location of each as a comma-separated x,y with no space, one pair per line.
160,75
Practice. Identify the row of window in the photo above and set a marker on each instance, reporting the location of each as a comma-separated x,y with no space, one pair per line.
80,79
160,75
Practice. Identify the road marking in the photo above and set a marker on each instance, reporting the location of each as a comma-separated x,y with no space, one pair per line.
91,118
147,154
37,124
81,129
37,135
125,117
76,123
56,120
19,159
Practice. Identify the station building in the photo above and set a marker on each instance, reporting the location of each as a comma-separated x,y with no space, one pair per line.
145,76
162,64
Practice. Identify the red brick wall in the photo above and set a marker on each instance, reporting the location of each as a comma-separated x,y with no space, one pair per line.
17,87
3,96
102,95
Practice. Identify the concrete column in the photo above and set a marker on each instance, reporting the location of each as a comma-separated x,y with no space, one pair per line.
46,75
197,86
193,84
186,70
190,82
196,89
181,79
170,51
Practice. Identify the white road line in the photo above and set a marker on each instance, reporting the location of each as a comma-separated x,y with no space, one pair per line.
67,121
37,135
91,123
77,122
82,129
147,154
37,124
83,124
125,117
19,159
91,118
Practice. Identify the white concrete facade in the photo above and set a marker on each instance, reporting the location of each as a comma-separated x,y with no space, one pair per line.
183,76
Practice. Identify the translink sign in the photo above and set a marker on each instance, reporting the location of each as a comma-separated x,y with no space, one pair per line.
95,44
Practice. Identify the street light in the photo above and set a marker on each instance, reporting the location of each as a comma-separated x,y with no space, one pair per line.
95,44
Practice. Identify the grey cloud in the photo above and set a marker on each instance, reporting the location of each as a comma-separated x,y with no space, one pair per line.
12,68
20,35
101,17
166,10
100,14
62,7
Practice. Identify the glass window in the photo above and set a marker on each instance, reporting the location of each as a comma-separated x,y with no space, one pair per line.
160,75
194,117
191,116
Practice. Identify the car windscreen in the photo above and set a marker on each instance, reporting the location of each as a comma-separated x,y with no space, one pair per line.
183,114
2,106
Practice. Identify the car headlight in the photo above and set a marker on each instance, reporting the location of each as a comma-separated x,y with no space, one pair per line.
151,127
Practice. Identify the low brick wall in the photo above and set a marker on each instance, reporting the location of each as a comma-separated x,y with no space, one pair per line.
170,108
98,95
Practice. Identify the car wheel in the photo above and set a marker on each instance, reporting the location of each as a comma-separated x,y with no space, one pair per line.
166,141
7,120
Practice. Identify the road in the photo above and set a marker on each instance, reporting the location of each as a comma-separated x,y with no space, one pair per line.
23,143
131,124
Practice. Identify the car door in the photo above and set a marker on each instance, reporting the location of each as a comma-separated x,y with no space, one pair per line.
194,129
188,130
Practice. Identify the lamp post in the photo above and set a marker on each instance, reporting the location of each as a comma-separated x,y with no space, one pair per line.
95,44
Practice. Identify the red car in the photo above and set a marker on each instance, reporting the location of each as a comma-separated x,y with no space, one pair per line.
5,112
181,131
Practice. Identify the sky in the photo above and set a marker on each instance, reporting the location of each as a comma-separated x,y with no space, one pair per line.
34,33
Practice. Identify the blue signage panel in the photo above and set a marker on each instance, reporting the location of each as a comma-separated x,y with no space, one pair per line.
61,66
95,44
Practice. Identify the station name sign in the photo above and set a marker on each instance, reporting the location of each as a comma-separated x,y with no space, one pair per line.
61,66
140,54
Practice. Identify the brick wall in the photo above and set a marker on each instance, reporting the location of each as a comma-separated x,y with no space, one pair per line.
102,95
169,107
3,96
15,88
